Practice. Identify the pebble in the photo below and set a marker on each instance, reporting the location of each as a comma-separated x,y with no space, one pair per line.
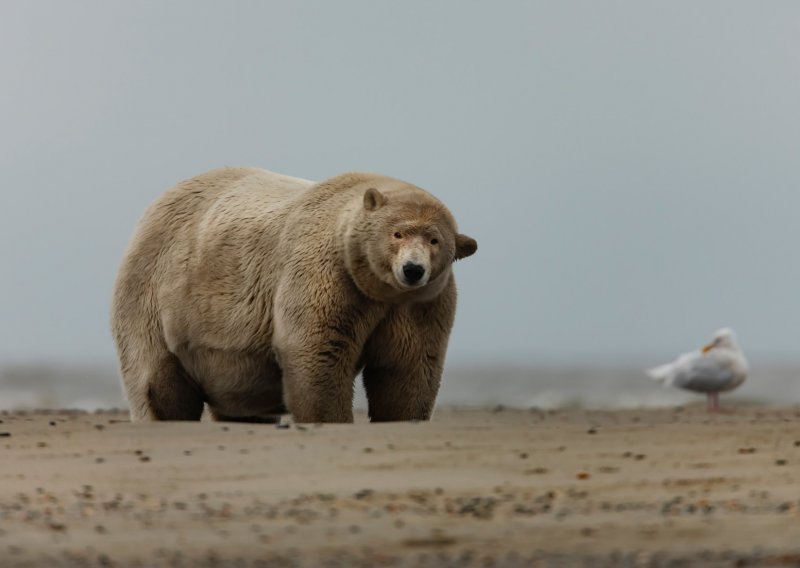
364,493
5,434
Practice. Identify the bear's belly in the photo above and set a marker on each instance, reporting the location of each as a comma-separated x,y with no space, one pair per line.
235,383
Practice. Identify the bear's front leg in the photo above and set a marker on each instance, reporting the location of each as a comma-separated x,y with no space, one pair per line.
318,347
404,359
318,382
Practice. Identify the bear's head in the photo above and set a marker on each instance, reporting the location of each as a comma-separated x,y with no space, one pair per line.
405,245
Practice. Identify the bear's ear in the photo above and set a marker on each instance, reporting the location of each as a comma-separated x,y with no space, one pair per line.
373,199
465,246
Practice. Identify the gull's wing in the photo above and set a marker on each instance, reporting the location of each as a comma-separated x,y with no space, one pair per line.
704,374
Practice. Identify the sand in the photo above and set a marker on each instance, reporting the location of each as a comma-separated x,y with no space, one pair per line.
472,488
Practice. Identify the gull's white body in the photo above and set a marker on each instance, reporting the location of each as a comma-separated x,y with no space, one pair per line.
719,367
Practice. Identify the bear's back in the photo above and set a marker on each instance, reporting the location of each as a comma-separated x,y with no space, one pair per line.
193,237
217,201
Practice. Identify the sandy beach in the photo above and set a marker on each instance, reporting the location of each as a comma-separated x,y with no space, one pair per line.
493,487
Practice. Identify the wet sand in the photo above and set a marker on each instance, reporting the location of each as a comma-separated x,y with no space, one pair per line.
472,488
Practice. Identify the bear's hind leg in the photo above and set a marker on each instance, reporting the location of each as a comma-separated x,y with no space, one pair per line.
165,392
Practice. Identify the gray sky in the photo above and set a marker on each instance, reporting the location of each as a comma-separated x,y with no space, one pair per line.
631,170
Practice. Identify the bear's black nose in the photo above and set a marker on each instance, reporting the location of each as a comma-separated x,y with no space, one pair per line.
413,272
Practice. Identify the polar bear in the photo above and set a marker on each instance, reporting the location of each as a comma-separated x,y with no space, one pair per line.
256,293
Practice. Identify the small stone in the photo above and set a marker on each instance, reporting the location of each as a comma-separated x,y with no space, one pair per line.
591,431
144,458
99,427
5,434
582,475
523,455
749,450
52,423
780,462
364,493
282,426
368,450
99,460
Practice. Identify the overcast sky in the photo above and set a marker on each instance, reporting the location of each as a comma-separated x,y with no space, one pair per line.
631,170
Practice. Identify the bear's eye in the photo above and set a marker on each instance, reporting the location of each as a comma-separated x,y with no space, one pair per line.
397,235
434,241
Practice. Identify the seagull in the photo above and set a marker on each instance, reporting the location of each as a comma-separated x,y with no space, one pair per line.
718,367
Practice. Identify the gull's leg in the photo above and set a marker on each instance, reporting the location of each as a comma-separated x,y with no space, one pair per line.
713,402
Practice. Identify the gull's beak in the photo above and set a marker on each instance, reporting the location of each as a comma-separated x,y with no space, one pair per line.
709,347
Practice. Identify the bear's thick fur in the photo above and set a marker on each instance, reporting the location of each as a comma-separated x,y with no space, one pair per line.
257,293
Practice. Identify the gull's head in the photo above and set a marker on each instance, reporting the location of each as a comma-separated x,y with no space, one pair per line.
723,338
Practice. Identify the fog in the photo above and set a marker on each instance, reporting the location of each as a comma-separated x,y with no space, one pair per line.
630,170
